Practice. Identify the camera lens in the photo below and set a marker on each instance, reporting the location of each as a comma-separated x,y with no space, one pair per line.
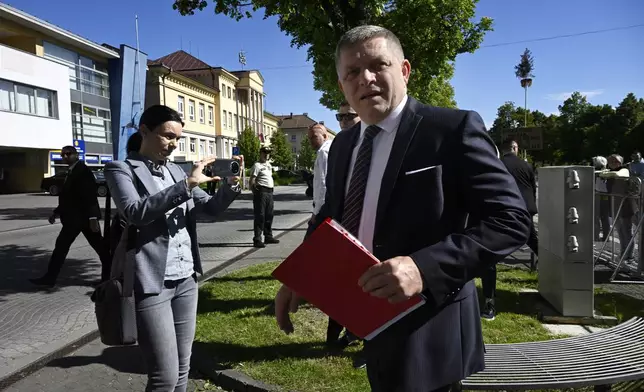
234,167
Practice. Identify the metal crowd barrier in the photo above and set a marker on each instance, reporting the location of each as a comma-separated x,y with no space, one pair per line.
619,206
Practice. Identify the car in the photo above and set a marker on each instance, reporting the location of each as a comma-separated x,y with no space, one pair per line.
54,184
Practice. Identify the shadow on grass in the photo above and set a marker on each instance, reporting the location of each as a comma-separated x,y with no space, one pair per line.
229,354
622,306
210,305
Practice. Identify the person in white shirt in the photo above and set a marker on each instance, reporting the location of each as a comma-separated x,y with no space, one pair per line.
261,183
319,139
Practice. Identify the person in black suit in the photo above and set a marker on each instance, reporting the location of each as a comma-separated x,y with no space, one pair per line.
423,189
79,212
526,181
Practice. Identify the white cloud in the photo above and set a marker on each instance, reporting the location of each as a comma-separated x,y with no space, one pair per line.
563,96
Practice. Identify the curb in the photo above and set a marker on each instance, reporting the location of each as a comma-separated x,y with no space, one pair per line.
40,363
228,379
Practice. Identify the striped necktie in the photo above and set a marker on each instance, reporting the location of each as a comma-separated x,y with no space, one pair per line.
354,199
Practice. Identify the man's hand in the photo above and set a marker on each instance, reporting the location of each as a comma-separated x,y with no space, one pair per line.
94,225
52,219
285,301
396,279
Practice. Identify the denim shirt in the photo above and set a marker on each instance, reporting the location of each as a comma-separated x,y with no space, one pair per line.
179,262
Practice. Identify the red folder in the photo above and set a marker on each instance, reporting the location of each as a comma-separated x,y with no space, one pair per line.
324,270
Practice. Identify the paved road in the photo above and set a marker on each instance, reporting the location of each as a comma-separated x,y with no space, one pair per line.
34,323
97,367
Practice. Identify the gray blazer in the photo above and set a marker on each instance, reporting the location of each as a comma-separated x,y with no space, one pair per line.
136,197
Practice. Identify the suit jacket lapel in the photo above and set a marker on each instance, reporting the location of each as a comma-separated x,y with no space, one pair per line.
144,175
404,135
177,172
341,167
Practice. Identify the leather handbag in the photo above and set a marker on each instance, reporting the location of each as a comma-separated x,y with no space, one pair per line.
114,303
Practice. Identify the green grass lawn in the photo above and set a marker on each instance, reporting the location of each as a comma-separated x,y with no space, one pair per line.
236,325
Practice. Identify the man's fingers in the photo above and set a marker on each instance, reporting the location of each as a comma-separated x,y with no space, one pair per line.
372,272
376,283
282,304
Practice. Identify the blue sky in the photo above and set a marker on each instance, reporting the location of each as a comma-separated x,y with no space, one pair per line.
605,66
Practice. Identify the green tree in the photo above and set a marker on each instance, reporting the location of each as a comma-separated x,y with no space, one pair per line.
441,30
281,154
249,146
523,71
306,158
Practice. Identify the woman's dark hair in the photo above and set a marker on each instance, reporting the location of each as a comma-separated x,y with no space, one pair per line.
156,115
134,143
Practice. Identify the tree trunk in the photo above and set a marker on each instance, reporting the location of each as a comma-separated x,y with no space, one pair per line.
525,107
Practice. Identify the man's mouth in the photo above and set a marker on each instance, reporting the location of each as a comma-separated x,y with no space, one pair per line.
370,95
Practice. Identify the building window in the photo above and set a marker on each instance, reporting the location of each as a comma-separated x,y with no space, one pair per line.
211,115
84,74
293,138
191,110
225,117
230,121
211,148
202,113
230,94
91,124
294,150
193,144
235,94
202,148
236,124
180,106
223,90
182,144
21,98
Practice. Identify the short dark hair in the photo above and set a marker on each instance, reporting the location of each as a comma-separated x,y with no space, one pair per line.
156,115
364,33
507,143
68,150
344,103
134,142
266,150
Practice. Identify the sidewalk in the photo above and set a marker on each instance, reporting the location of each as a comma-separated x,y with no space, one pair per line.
96,367
37,326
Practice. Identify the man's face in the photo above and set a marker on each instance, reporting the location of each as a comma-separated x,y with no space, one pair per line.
373,78
317,136
162,140
347,117
69,157
263,156
613,163
515,149
636,157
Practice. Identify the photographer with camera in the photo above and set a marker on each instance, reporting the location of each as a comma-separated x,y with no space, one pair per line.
261,183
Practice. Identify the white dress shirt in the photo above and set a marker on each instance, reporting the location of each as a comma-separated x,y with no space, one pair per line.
319,176
382,144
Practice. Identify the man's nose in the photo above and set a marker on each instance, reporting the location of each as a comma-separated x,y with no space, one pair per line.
366,77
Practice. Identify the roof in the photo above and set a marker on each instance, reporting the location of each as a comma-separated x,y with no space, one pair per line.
291,121
24,19
180,60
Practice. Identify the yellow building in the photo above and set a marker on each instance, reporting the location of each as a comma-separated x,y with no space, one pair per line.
271,124
238,97
194,101
54,91
295,128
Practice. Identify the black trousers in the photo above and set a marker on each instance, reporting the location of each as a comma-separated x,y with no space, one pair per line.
488,278
66,238
263,212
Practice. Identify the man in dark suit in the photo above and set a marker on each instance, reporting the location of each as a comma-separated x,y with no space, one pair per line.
424,190
79,212
526,181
